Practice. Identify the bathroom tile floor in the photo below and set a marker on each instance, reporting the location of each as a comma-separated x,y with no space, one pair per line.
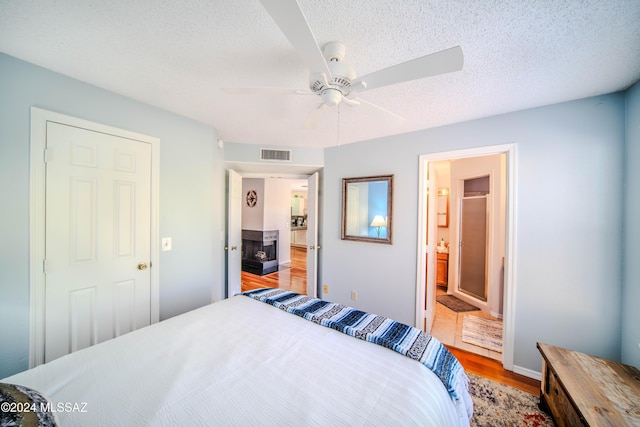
447,328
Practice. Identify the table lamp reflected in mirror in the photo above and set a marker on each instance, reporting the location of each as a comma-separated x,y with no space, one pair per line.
379,222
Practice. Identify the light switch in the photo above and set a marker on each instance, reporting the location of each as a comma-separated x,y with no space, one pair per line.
166,243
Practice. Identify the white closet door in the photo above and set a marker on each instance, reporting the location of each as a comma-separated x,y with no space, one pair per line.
98,237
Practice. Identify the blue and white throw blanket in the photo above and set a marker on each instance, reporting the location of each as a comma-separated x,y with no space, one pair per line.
404,339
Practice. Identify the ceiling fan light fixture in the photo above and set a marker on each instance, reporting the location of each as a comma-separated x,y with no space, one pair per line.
331,96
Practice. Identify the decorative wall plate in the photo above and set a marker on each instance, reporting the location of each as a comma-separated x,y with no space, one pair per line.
252,198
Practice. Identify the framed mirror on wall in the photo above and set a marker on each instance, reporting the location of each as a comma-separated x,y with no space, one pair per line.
367,206
443,207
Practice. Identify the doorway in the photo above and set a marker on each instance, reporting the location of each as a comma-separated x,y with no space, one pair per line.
235,223
287,200
89,165
430,248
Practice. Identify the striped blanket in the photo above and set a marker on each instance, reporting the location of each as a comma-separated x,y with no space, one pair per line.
404,339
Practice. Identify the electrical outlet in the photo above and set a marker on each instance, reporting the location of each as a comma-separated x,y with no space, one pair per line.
325,289
354,295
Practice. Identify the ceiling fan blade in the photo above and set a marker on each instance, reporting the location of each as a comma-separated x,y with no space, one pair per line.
314,117
376,111
289,17
351,102
264,90
442,62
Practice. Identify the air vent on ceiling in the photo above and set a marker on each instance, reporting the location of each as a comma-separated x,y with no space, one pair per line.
279,155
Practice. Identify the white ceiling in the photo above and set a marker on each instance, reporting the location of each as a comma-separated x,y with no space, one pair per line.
179,55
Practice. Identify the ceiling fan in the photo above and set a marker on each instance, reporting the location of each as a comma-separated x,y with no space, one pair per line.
333,79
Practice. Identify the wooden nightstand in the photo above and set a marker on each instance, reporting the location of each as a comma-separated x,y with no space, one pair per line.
578,389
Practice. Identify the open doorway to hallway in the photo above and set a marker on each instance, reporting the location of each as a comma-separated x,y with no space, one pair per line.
271,221
488,300
283,208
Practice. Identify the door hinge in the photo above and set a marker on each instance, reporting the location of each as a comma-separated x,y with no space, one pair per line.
44,266
46,155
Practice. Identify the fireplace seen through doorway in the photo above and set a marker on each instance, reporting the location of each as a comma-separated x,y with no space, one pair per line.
260,251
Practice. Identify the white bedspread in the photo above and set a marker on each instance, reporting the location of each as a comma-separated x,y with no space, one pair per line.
241,362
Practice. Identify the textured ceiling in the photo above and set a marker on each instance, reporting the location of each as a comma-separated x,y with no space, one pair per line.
179,55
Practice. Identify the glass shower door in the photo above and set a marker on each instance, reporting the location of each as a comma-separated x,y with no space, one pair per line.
473,246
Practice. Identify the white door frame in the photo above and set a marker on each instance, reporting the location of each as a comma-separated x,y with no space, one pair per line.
37,187
312,235
426,248
510,237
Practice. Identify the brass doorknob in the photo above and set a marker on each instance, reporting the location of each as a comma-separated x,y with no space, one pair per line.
142,266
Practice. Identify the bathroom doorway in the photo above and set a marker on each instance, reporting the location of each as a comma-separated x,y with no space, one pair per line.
498,255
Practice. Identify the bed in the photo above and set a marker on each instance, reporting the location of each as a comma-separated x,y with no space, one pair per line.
247,360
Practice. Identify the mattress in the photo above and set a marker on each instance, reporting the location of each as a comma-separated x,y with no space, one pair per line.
241,362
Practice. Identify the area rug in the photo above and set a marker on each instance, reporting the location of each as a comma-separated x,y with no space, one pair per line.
498,405
485,333
455,304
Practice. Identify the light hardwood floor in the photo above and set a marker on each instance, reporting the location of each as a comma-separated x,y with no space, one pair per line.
493,370
295,279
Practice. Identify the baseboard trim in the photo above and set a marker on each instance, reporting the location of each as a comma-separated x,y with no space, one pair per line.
527,372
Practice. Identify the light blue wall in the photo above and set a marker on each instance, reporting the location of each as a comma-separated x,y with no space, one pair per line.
191,194
568,225
631,267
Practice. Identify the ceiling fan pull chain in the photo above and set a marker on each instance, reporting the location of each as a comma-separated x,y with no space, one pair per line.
338,125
